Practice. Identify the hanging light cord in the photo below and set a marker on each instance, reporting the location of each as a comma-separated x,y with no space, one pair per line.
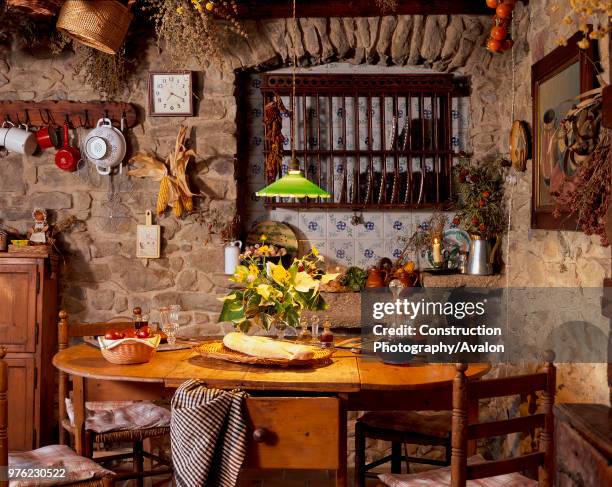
293,164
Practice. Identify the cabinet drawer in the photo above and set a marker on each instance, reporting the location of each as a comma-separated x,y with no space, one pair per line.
18,305
293,432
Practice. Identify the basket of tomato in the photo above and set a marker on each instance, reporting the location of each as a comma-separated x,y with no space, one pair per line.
127,347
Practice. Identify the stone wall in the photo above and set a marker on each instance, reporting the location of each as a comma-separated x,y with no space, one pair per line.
101,276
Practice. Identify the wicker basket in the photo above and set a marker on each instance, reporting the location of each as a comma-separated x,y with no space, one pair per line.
37,8
130,351
101,24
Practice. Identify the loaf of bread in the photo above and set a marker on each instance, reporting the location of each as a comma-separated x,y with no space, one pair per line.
263,347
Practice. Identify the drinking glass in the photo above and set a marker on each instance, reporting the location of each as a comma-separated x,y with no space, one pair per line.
169,317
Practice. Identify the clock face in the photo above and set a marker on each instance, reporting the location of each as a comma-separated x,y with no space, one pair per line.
170,94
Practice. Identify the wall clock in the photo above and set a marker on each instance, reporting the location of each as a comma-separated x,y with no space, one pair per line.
171,94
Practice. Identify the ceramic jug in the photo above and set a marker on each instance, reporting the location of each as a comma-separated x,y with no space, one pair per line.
232,256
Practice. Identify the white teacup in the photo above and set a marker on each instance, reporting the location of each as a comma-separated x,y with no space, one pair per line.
16,139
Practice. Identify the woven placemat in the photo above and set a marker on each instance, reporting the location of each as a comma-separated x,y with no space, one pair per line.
217,350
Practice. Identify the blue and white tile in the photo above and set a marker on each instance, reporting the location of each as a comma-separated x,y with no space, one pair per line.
290,217
305,246
394,247
397,225
372,226
254,218
339,225
368,252
313,224
256,171
341,252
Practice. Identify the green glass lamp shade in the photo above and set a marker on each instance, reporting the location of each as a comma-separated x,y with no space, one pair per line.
293,185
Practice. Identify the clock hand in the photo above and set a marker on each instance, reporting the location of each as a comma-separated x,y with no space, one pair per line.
179,97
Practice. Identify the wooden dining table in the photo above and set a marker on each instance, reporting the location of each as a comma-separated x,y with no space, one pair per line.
297,416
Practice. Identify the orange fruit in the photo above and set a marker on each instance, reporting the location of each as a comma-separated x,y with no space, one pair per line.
494,45
499,33
504,10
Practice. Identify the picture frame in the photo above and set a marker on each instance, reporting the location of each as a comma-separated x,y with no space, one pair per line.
556,80
178,85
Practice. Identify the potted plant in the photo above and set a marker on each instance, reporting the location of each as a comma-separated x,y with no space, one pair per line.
275,295
481,211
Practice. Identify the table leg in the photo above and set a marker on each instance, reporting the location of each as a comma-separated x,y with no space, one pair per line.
78,403
342,472
472,418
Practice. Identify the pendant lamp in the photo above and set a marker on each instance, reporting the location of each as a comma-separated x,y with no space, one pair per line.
293,184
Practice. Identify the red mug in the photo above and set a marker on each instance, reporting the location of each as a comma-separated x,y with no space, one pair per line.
47,138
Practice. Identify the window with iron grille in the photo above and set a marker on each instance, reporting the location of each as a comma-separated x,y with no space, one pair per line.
385,141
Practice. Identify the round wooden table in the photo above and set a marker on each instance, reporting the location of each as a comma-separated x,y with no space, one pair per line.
304,408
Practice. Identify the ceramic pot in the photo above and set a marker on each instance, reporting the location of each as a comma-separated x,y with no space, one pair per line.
232,256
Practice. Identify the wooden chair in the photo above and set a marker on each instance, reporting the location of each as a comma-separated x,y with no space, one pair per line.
463,431
88,438
399,428
104,480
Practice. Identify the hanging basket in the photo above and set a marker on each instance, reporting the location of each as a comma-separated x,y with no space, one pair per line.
36,8
101,24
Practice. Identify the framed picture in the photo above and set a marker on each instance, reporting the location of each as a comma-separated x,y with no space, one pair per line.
556,82
171,94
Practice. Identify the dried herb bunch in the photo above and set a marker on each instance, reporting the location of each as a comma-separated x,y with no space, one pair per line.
480,191
192,28
584,14
590,197
105,73
273,121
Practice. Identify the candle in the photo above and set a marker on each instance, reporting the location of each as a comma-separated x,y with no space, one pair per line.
437,251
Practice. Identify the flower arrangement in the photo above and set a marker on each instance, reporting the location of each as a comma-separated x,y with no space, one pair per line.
275,293
480,191
263,250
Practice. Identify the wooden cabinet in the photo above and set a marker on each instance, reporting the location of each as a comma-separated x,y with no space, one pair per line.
28,329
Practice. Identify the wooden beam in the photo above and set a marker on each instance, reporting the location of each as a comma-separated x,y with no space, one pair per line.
258,9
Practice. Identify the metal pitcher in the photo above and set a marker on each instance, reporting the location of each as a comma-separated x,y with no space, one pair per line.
482,255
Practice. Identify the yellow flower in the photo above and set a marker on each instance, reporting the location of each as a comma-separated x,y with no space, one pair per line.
263,248
210,6
265,291
304,282
263,238
315,251
253,269
278,273
179,10
583,43
241,274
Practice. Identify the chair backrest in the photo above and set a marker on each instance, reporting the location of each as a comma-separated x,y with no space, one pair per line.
465,391
79,330
3,414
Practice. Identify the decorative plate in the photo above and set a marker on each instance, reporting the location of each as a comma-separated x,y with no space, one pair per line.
219,351
277,233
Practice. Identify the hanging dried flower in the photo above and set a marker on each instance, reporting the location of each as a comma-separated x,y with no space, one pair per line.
174,189
583,14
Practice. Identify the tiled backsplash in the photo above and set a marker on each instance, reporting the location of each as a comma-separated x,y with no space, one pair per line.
332,231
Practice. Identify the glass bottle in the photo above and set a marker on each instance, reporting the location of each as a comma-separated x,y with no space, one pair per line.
314,328
327,337
139,320
305,336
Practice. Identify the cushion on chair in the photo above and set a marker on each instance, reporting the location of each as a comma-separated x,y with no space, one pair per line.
103,417
430,423
442,477
56,456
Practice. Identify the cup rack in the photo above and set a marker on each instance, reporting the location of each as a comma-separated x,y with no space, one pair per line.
78,114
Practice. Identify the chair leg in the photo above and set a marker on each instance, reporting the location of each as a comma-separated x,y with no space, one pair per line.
360,461
448,450
407,461
138,462
396,457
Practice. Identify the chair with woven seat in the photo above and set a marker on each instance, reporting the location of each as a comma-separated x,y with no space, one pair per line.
85,439
81,471
496,473
400,427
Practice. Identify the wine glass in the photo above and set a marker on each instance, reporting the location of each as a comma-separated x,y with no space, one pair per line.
169,317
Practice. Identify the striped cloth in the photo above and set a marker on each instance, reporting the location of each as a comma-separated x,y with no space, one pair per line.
209,435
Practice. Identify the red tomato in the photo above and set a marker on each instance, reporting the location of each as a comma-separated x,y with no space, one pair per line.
144,332
504,10
110,335
129,333
494,45
492,3
499,33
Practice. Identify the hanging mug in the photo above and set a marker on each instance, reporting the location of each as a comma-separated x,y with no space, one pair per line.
17,139
232,256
